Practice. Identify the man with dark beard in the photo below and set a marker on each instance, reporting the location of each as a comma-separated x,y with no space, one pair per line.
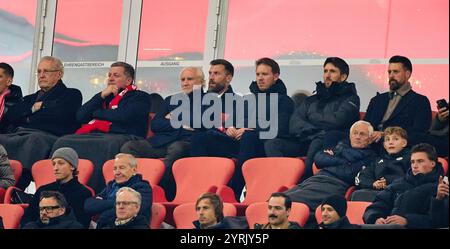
401,106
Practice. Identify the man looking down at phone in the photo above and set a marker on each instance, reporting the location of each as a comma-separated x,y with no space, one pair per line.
406,202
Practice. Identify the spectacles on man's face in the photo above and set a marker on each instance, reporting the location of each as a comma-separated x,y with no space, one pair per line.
48,209
46,71
125,203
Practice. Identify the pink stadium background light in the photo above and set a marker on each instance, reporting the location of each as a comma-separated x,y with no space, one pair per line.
415,28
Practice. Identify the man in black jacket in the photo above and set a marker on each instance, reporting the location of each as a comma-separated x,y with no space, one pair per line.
9,94
54,213
41,117
335,106
65,163
112,117
406,202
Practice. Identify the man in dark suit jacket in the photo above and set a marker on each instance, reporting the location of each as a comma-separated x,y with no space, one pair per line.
401,106
112,117
41,117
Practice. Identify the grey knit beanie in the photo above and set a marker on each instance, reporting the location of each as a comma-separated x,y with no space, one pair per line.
67,154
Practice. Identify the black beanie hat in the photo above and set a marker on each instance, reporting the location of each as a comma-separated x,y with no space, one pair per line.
339,203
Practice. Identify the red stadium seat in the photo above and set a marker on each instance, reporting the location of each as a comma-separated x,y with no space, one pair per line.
264,176
258,212
195,176
158,215
11,215
17,168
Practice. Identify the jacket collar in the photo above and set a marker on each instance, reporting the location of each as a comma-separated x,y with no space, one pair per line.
279,87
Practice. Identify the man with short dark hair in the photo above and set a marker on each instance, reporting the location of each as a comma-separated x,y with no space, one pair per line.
54,213
406,202
279,208
399,106
41,118
112,117
65,164
9,94
335,106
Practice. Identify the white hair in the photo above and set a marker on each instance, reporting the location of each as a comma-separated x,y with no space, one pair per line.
56,61
359,122
198,71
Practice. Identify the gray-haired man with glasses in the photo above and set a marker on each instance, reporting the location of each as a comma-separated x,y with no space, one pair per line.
128,204
54,213
41,117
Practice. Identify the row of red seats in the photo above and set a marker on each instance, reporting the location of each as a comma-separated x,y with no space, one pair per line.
194,176
185,214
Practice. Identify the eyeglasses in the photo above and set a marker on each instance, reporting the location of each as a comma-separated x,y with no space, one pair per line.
46,71
48,209
125,203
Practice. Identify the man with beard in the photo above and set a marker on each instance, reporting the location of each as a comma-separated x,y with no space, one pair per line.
335,106
247,140
401,106
54,213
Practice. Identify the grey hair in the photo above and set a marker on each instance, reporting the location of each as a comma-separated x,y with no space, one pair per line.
198,71
56,61
369,126
131,159
136,194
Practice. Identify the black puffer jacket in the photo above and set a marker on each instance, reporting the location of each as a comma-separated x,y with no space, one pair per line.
408,197
285,107
391,167
334,108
